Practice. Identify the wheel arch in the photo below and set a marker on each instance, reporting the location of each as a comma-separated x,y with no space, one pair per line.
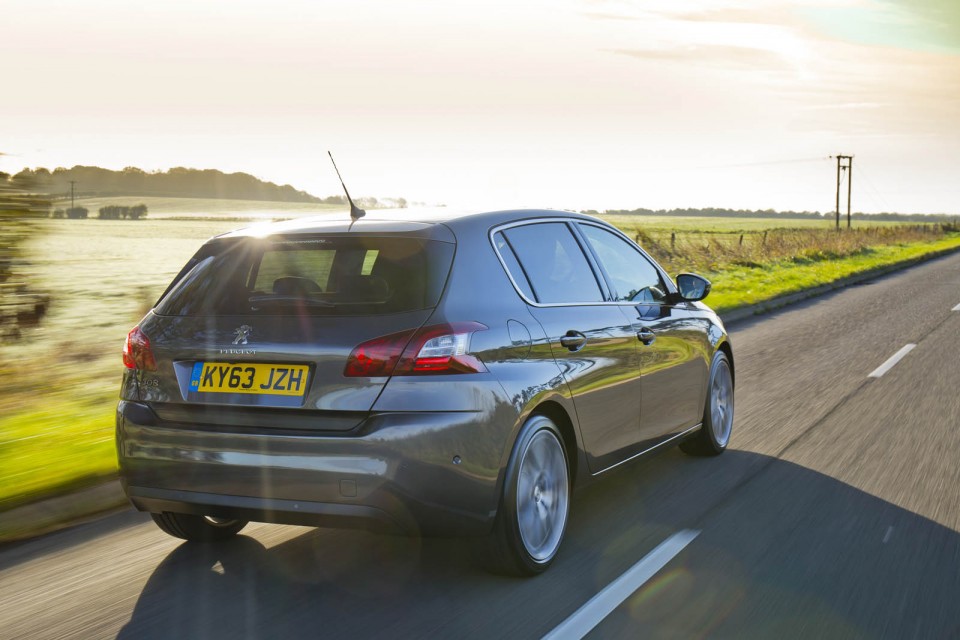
728,351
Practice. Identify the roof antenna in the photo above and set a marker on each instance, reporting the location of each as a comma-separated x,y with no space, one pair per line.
355,212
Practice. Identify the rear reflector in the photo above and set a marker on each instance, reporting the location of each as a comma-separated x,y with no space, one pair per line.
437,349
137,353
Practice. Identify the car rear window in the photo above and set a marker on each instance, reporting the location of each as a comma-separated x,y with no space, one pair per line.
353,275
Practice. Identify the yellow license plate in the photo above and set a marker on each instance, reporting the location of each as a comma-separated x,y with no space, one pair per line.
261,379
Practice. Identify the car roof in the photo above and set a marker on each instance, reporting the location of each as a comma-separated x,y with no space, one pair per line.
435,222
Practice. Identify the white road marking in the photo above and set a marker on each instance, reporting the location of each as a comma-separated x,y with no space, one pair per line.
886,536
894,359
584,619
956,308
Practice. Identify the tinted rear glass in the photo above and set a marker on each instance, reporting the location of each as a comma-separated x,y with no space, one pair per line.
354,275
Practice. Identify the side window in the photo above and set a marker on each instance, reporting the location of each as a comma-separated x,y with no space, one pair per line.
634,276
554,263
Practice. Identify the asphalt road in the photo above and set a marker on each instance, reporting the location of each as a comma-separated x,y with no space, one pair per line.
835,513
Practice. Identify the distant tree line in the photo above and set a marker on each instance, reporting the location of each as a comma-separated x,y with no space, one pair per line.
74,213
116,213
112,212
177,182
713,212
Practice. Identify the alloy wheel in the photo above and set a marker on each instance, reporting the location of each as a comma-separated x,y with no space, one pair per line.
543,495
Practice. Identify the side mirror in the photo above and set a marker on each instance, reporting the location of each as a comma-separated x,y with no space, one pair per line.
693,287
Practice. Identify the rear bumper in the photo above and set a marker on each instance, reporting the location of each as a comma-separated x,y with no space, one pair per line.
398,474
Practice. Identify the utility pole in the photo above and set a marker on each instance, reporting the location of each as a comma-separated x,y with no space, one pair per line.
73,182
848,167
849,186
838,193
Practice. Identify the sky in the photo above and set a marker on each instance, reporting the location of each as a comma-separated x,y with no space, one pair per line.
570,104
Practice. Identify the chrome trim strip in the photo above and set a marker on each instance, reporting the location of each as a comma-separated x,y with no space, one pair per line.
656,446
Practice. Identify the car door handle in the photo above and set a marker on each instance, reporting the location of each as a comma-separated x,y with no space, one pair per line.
573,340
646,336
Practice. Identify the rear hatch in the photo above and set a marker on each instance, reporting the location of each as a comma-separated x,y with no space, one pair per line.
258,332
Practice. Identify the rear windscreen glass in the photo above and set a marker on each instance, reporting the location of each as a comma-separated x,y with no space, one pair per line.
353,275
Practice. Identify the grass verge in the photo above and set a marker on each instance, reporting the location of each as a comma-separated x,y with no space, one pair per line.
739,286
59,448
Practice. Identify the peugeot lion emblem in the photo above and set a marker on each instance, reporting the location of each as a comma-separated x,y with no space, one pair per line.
243,332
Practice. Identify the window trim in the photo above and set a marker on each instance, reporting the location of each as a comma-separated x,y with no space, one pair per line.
598,273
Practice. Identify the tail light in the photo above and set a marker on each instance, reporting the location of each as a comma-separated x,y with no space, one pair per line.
137,353
377,357
437,349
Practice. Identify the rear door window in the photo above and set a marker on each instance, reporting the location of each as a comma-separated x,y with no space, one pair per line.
315,275
554,264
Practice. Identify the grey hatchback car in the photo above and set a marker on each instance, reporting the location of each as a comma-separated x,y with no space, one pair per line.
429,374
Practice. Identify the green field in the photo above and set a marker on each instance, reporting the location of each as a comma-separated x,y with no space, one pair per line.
165,208
60,381
728,225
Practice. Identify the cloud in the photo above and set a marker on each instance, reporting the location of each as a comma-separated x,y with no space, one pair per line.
775,15
844,106
879,92
717,56
940,19
609,16
917,25
876,68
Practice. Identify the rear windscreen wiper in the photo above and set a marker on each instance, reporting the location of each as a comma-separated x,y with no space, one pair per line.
289,300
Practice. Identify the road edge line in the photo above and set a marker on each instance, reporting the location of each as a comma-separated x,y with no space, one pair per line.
597,608
892,361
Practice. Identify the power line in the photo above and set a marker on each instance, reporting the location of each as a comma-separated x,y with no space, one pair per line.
763,163
882,201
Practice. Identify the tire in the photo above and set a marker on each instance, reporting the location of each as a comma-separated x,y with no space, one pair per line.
197,528
712,438
535,503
